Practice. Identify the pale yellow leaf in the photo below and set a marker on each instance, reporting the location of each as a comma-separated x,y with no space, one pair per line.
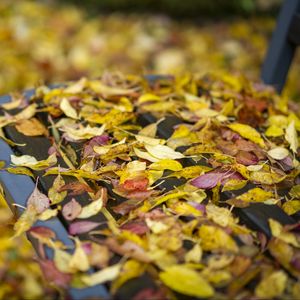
68,109
163,152
278,232
104,275
145,155
79,260
194,255
92,208
278,153
83,133
291,136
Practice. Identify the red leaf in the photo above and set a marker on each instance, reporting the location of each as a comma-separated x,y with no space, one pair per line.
53,275
137,184
71,210
211,179
125,207
137,227
42,231
82,227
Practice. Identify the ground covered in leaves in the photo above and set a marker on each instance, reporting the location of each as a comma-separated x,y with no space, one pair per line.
235,143
43,43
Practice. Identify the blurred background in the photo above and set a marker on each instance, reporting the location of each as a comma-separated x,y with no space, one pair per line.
55,41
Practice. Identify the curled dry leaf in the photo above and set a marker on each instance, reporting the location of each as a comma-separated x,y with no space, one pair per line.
38,200
71,210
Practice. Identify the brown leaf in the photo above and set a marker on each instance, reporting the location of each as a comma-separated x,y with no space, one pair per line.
246,158
31,127
76,187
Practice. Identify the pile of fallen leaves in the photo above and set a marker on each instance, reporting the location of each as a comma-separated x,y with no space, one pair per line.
235,143
55,43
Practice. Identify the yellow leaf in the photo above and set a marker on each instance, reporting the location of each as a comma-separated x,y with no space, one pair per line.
162,199
159,107
256,195
145,155
166,164
83,133
254,168
31,127
149,130
133,169
68,109
274,131
214,238
291,136
148,140
26,220
234,184
180,132
20,170
53,193
157,226
30,162
293,117
291,206
104,275
106,91
48,214
295,191
228,108
184,209
15,103
266,177
278,232
92,208
131,269
79,260
220,215
105,149
272,286
148,98
194,255
247,132
278,121
26,113
186,281
190,172
62,260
